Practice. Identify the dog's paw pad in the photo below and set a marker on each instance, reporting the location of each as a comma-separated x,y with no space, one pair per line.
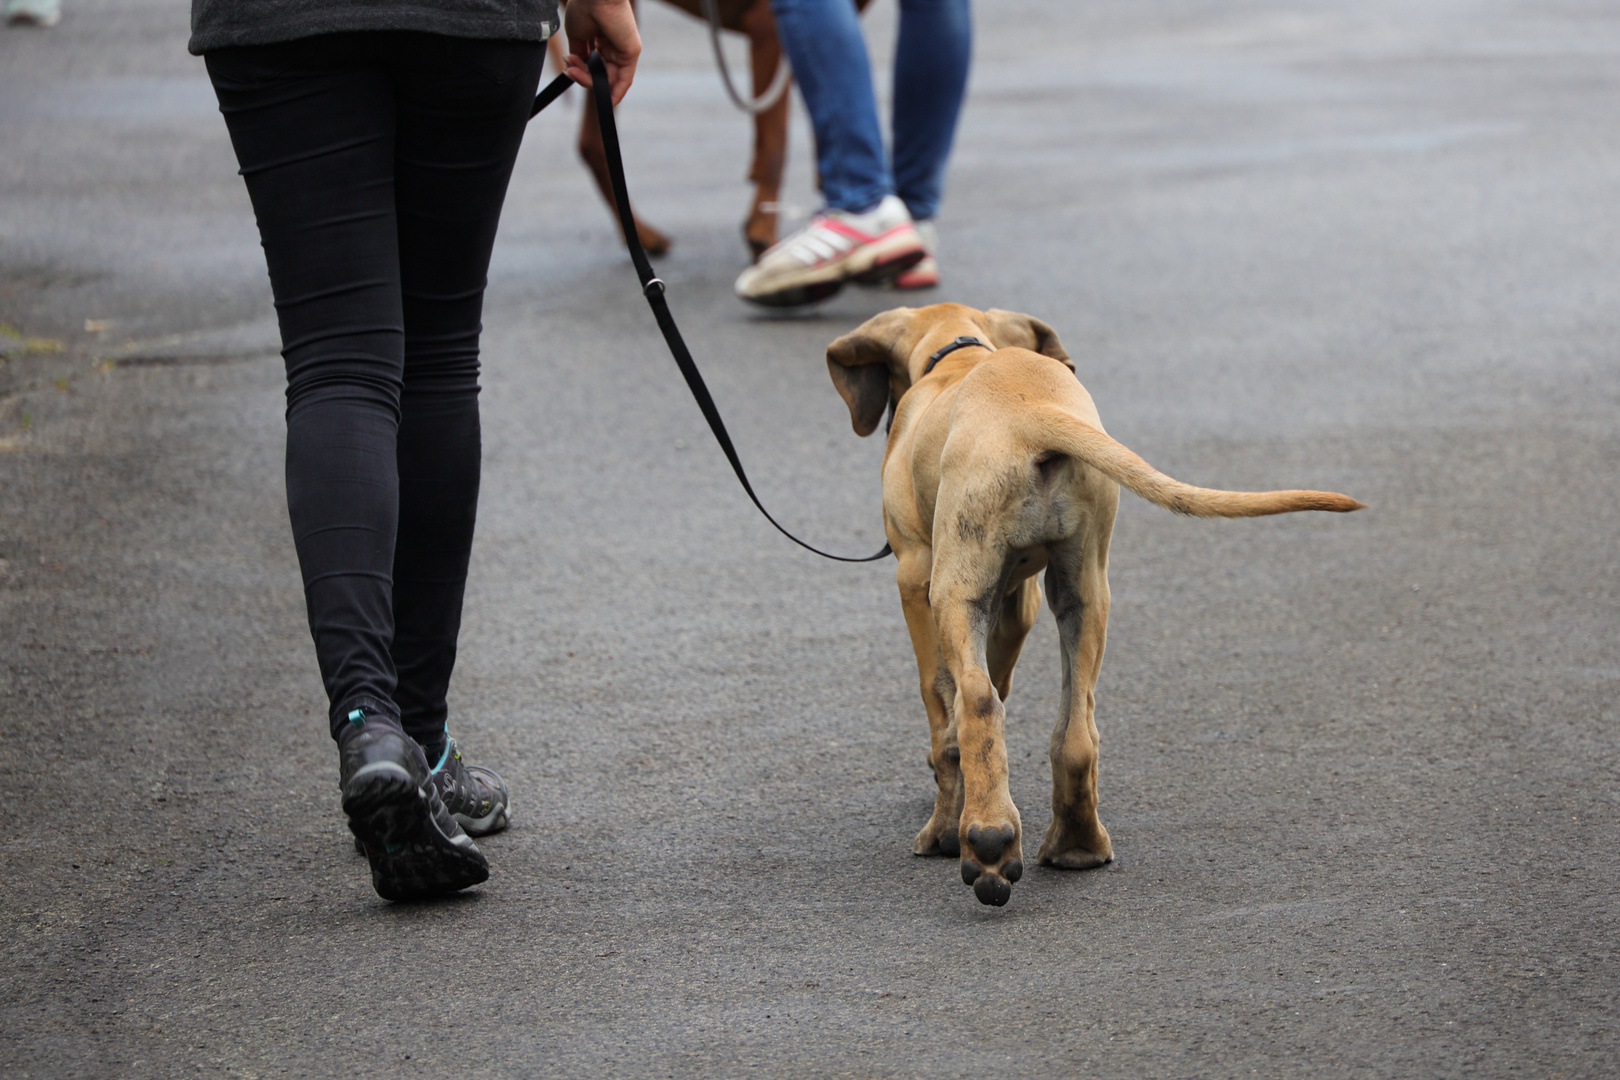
1071,845
933,841
988,843
991,862
1076,859
992,889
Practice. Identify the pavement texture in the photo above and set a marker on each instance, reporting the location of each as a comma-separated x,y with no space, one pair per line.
1361,772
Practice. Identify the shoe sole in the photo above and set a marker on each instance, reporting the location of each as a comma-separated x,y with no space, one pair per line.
924,275
410,858
475,827
887,270
874,264
913,278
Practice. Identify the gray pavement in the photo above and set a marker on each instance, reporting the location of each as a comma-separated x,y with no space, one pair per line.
1361,772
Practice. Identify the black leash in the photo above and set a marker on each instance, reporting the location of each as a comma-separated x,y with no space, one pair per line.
653,289
549,93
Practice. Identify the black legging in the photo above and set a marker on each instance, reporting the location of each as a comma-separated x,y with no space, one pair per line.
377,164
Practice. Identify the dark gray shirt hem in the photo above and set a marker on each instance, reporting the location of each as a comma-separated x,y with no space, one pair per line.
224,25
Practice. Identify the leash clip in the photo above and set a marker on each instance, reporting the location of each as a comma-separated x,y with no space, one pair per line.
647,289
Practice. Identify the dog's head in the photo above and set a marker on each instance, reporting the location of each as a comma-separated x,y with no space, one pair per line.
877,362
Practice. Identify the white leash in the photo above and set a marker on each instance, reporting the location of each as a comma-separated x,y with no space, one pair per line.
779,82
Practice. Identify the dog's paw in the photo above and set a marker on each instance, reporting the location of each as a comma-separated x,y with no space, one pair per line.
1069,848
938,838
992,859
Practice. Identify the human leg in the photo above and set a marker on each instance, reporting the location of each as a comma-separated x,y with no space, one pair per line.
312,125
865,233
462,105
312,122
824,44
930,79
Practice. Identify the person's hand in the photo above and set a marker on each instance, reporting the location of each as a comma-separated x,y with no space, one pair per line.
609,27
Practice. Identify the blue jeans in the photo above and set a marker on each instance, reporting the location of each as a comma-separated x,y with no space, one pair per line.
824,44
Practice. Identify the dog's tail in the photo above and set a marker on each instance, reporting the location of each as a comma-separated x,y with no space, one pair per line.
1066,433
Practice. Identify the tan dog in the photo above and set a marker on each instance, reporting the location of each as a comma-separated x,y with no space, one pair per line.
997,468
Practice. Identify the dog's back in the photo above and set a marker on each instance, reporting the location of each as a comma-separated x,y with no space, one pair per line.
1037,410
997,470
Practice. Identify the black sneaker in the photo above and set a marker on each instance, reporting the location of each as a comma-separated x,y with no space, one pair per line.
475,796
416,849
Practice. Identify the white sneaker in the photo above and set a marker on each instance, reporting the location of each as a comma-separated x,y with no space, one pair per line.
925,274
835,247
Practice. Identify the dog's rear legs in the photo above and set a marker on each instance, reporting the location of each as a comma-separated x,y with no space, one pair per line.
1014,620
967,602
1017,618
938,837
1077,589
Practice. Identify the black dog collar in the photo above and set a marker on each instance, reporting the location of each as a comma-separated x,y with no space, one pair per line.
960,343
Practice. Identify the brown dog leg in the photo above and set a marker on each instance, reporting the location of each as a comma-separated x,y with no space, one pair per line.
1016,619
990,830
938,837
966,595
594,153
770,129
1077,588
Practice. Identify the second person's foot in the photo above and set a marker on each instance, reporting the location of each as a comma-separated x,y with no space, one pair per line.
837,246
924,274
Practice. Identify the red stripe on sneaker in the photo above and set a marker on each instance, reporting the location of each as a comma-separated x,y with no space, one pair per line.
859,237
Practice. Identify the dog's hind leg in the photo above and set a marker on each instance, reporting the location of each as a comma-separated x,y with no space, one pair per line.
968,589
1013,623
1077,589
938,837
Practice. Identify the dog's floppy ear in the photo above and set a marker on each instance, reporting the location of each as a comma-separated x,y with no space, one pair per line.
1015,330
859,365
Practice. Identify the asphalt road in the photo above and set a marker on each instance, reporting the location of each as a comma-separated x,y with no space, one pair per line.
1361,772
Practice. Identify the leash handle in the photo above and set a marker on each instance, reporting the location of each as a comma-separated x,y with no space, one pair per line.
653,289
